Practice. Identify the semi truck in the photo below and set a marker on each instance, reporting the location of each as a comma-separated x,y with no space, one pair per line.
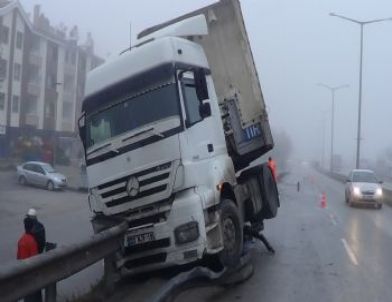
171,130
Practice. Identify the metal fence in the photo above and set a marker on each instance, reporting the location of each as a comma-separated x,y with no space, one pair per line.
27,276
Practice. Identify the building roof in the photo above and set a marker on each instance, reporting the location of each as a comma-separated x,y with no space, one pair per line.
4,3
8,5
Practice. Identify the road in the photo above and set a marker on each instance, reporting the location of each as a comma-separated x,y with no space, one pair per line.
65,215
333,254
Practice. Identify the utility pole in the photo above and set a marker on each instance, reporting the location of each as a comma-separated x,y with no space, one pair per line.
362,24
332,90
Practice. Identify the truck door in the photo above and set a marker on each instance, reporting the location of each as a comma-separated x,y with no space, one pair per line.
199,135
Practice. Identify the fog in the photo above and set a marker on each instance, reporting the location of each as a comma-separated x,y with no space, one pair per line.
296,44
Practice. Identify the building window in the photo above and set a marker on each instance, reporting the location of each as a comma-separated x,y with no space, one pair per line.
32,105
15,104
4,34
2,101
51,81
69,83
73,58
68,111
19,40
17,71
3,69
35,44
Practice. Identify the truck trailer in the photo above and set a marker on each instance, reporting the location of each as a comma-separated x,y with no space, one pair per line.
171,130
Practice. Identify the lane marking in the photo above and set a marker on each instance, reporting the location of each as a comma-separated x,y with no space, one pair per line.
333,219
350,252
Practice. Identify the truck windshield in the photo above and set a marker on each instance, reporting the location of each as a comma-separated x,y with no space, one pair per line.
134,112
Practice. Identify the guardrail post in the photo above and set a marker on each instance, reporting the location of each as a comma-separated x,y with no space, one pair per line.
51,293
110,273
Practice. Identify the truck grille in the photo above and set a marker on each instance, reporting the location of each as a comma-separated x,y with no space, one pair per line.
152,181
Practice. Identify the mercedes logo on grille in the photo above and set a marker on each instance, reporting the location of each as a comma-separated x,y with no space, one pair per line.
133,187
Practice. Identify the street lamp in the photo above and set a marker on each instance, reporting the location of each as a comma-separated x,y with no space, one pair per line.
362,24
332,90
1,71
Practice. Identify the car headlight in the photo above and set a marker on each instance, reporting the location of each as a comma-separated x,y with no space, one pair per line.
379,192
187,232
356,191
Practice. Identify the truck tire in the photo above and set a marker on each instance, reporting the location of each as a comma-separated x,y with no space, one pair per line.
269,193
232,234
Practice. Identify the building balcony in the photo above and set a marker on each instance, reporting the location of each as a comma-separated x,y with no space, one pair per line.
68,96
67,126
69,70
34,89
32,119
35,59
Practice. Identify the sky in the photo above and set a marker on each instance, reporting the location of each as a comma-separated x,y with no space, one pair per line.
296,44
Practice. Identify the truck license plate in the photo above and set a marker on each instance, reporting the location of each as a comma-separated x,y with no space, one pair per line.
132,240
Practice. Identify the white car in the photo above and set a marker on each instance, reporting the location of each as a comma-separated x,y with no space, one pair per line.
363,187
40,174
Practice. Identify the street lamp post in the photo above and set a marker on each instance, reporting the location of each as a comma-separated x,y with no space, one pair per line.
362,24
332,90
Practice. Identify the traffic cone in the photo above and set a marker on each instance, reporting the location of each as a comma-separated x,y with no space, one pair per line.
323,202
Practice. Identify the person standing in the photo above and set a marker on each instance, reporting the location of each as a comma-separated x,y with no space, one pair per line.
272,166
27,248
38,230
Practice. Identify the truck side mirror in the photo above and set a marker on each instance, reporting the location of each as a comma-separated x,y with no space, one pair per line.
201,84
82,129
205,110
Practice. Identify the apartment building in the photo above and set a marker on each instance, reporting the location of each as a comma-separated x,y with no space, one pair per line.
42,75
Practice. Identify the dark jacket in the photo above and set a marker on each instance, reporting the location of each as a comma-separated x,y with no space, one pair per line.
38,232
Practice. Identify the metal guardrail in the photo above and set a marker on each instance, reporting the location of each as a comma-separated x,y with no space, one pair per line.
27,276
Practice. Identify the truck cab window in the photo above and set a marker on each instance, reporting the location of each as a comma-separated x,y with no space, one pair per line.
99,130
192,103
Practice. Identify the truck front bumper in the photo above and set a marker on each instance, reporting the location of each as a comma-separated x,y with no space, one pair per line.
178,240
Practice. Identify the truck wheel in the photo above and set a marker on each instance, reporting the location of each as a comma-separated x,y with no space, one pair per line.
232,234
269,193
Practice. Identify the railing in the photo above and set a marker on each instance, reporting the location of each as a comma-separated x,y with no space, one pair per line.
27,276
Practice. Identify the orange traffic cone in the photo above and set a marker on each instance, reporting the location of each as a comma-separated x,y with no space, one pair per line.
323,202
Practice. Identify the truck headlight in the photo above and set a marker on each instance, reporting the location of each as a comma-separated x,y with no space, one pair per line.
379,192
187,232
357,191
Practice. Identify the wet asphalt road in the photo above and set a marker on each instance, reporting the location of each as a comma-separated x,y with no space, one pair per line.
333,254
65,215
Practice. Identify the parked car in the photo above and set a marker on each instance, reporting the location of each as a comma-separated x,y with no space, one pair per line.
40,174
363,187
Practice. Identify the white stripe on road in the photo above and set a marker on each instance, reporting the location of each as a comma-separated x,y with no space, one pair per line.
333,219
350,252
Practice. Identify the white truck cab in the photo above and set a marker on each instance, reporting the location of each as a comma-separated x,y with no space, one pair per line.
169,129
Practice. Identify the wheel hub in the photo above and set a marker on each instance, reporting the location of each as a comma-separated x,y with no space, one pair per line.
229,233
